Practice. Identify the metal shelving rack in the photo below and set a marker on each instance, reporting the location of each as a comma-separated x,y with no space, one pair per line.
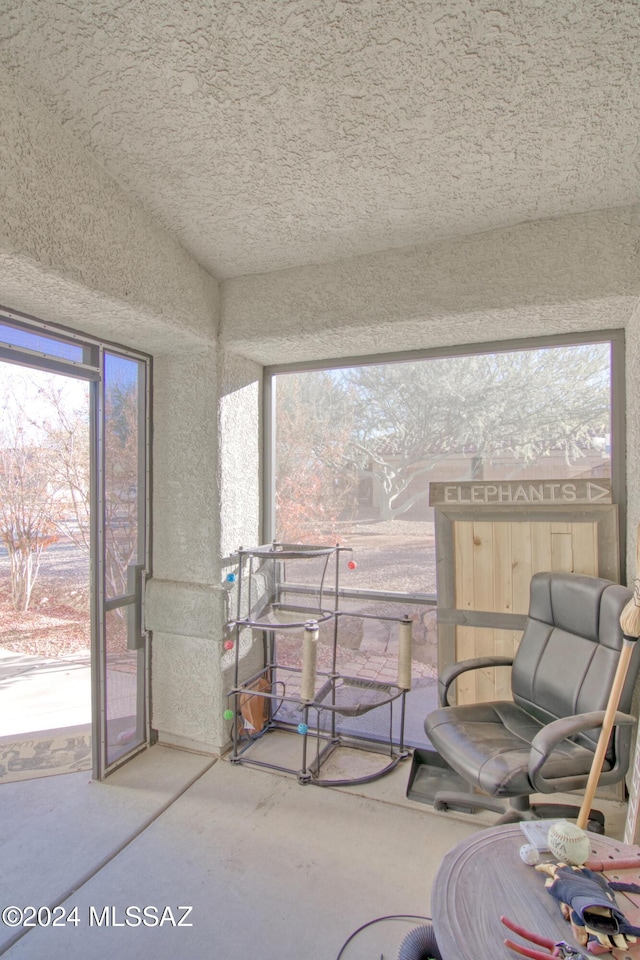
338,695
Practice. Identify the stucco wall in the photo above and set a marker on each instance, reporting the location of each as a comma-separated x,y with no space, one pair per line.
76,250
239,467
206,478
549,276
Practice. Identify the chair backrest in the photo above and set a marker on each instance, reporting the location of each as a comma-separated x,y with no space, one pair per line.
570,648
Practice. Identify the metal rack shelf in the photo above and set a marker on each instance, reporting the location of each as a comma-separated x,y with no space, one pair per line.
337,696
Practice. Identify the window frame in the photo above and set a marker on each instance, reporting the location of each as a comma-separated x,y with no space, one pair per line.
616,339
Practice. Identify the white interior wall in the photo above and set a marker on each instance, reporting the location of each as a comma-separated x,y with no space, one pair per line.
76,250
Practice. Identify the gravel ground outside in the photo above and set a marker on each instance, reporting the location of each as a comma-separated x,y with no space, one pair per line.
396,556
57,623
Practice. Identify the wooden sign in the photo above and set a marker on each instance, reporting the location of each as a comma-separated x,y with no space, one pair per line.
524,493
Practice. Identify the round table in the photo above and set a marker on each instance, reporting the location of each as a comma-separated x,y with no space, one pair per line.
483,878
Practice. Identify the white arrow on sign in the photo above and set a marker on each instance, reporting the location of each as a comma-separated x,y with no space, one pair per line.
595,491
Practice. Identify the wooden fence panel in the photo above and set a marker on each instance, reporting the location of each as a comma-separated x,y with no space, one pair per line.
486,557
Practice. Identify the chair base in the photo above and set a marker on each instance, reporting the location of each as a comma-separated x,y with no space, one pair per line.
519,809
444,799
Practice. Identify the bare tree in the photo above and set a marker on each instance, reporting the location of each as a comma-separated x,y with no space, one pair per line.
63,429
314,486
44,472
121,484
27,502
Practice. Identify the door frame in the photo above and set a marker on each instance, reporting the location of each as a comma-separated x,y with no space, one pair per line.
88,364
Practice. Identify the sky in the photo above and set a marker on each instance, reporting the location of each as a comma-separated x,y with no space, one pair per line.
24,387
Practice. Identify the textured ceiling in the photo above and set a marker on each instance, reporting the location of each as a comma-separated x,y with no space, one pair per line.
273,133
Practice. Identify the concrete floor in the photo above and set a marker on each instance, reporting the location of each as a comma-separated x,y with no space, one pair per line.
41,694
271,869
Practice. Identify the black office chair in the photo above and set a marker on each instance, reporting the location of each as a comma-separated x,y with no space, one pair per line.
544,740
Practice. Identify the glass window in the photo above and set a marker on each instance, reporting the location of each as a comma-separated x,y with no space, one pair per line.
356,449
42,343
123,386
124,721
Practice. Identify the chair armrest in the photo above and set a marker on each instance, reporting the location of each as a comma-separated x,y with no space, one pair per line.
450,673
554,733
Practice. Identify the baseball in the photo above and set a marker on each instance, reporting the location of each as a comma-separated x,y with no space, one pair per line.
529,854
568,843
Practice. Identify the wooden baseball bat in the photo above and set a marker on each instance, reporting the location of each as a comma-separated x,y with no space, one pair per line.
630,625
605,732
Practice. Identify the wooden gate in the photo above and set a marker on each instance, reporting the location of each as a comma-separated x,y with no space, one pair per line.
487,550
